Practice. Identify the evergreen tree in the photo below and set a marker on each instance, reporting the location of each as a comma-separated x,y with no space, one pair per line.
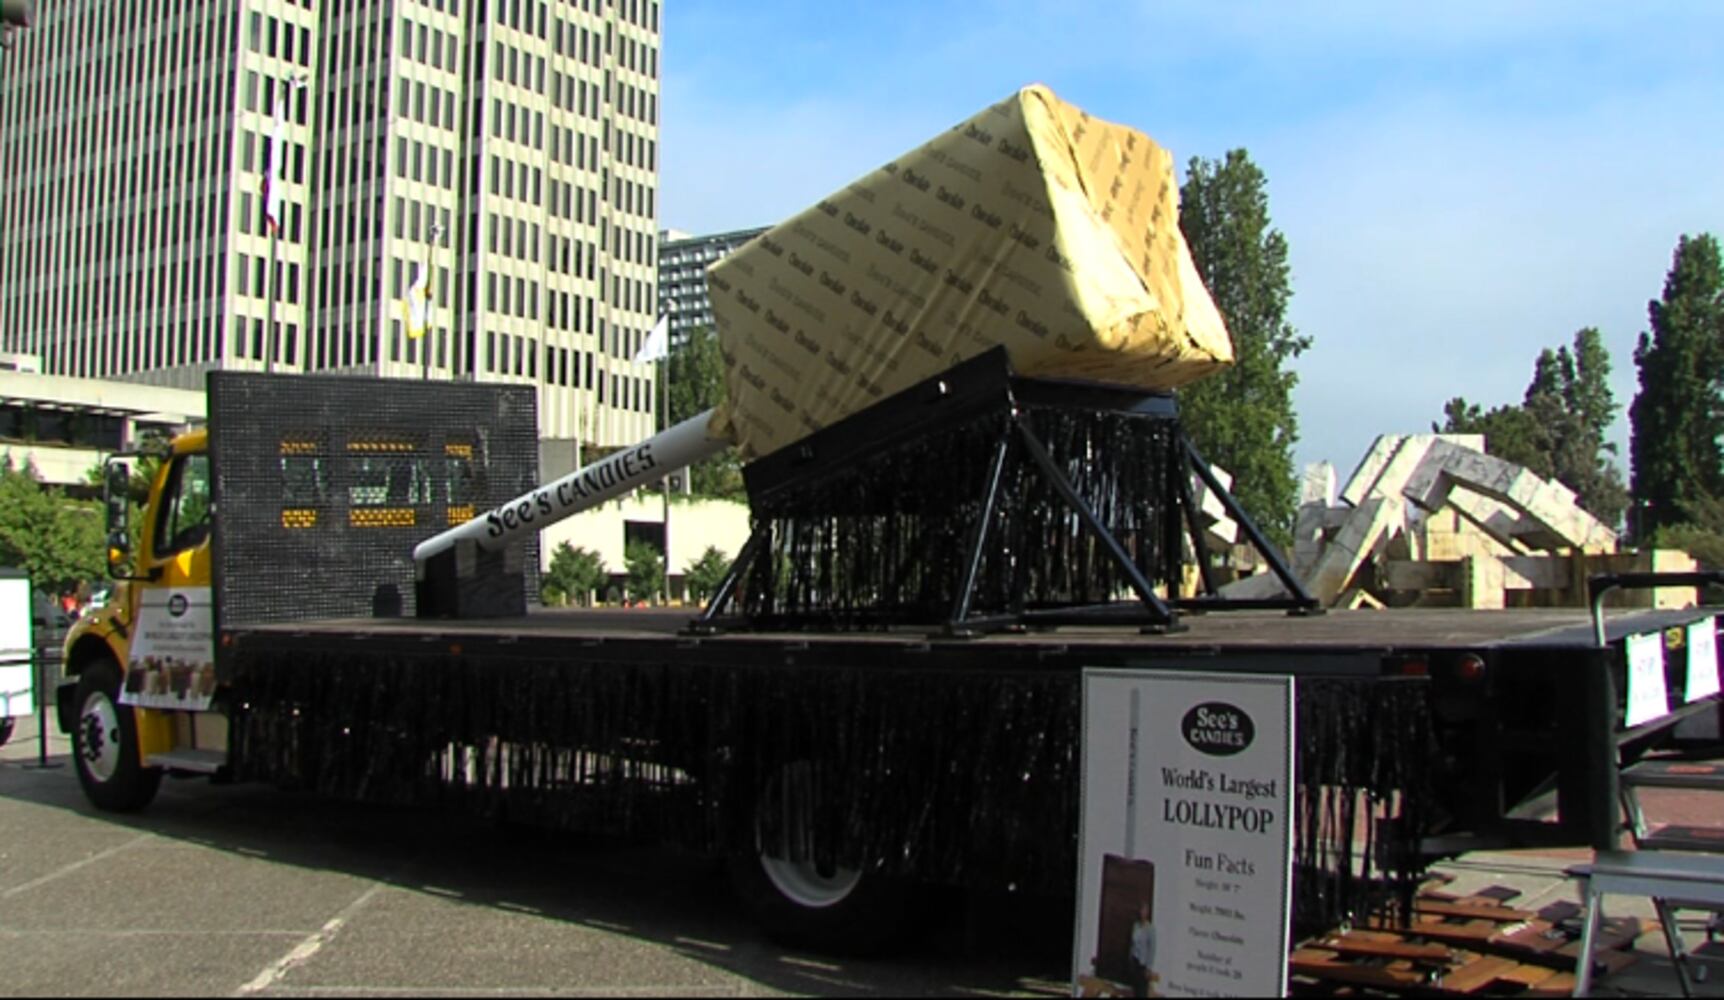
703,576
1510,432
574,576
1571,402
1559,429
645,570
1242,419
1678,414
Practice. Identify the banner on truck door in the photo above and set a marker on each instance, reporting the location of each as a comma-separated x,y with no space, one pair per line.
1184,883
172,659
16,647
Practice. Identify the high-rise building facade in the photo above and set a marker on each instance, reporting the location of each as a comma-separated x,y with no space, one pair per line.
509,146
682,263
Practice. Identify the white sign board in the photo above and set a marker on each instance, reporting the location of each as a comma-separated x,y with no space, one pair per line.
172,659
1186,859
1702,647
1648,697
16,680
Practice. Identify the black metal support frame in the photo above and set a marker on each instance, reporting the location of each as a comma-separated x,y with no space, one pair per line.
1161,617
968,392
1300,603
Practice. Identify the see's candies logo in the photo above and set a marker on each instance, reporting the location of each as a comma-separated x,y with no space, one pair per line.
177,605
1218,729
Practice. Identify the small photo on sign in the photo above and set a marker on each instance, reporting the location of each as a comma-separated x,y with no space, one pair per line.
1125,951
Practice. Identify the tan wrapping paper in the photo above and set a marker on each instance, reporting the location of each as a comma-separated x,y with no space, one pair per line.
1031,225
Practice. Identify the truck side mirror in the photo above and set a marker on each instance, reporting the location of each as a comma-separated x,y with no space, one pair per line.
116,486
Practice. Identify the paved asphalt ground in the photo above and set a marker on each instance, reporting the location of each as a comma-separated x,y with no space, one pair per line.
247,890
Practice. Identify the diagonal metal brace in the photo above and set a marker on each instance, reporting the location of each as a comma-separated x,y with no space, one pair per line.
979,538
1164,615
726,591
1301,598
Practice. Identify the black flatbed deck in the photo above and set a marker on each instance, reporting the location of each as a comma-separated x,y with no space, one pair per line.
909,721
1250,634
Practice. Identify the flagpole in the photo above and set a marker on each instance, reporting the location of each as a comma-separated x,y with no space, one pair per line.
273,219
664,422
277,157
272,193
430,305
269,357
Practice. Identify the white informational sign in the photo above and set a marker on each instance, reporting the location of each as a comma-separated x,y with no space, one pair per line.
1648,696
1186,860
172,659
1702,660
16,643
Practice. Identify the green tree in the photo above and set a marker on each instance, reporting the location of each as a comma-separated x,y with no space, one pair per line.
574,576
1510,432
1242,419
1559,430
703,576
1678,415
58,541
695,373
645,571
1701,534
1570,398
154,447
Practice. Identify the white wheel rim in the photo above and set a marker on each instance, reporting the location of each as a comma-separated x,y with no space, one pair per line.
804,884
792,795
99,727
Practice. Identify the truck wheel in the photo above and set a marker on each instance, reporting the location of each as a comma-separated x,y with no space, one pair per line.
105,744
798,903
5,730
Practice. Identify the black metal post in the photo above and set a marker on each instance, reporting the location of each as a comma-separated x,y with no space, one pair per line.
1301,597
1598,750
37,670
727,587
979,537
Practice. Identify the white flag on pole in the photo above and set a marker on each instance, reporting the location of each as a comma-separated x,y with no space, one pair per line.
272,169
657,345
417,307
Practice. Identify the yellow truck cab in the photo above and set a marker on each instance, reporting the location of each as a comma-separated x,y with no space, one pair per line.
139,695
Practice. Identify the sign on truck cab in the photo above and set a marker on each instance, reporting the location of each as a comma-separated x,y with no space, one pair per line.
156,632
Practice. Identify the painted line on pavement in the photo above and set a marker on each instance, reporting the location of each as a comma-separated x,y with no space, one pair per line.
312,944
74,866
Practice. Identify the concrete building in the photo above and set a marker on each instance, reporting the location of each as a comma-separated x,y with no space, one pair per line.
510,145
63,426
695,526
682,263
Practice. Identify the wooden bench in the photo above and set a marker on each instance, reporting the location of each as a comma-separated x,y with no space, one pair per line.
1671,881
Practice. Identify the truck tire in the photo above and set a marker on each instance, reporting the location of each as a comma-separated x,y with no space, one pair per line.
838,911
105,744
5,730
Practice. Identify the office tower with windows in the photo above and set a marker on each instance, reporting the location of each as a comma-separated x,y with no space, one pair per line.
682,263
507,147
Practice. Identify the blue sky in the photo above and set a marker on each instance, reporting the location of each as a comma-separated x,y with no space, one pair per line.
1460,184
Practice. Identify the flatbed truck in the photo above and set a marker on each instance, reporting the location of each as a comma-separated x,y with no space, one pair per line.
834,771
